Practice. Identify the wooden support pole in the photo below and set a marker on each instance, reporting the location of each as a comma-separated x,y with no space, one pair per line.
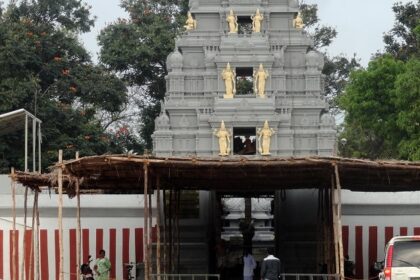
339,226
25,215
165,246
335,231
14,249
158,217
170,232
32,249
60,215
37,274
146,222
178,248
78,228
150,251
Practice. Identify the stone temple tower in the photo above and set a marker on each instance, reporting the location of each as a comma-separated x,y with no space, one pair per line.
195,103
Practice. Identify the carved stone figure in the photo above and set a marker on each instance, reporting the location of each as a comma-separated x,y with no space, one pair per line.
190,23
298,22
229,76
232,22
259,81
264,139
224,139
256,21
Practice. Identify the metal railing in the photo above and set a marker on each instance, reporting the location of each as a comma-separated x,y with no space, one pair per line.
308,276
184,276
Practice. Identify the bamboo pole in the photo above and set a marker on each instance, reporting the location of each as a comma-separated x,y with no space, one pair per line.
170,232
25,215
37,237
60,214
33,145
158,216
334,210
340,232
32,251
150,251
178,249
146,222
78,227
14,249
26,143
39,147
165,245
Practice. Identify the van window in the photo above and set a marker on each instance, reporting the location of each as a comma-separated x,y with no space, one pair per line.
406,253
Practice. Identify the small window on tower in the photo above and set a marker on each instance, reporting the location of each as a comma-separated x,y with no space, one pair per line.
244,80
244,141
244,25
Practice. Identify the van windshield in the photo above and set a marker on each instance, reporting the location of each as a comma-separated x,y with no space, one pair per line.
406,253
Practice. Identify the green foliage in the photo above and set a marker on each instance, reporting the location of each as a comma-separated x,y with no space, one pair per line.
370,122
244,85
403,40
44,69
382,102
137,48
382,110
408,106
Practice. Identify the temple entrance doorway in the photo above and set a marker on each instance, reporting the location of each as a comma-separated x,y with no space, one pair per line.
296,223
246,224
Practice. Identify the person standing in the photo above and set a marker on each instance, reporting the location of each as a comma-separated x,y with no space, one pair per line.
102,266
271,266
249,265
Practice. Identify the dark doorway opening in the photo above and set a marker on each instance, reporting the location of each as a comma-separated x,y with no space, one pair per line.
244,141
244,80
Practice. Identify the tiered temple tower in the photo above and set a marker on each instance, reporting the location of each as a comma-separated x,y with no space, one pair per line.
195,103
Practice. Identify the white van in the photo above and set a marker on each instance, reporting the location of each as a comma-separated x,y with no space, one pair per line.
402,259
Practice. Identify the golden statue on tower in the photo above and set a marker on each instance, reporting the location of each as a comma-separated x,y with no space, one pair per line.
259,81
190,23
264,139
229,76
224,139
232,22
256,21
298,22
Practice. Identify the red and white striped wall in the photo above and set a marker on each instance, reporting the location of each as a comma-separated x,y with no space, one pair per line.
122,245
365,244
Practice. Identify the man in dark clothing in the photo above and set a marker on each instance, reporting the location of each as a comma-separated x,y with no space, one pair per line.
271,267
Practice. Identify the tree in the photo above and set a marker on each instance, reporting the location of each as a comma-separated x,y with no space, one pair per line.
408,107
382,102
137,49
403,40
371,116
44,69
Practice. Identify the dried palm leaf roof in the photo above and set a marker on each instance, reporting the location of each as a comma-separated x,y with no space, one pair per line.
125,174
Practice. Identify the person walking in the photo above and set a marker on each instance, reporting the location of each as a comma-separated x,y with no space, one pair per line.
270,267
249,265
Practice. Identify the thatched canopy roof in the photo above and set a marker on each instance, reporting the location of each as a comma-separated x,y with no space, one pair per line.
125,174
